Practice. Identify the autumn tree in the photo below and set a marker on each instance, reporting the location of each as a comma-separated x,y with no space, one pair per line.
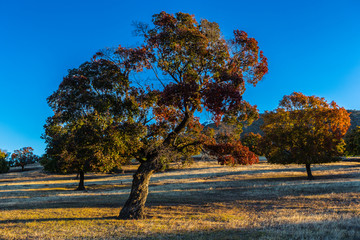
23,156
352,140
305,130
4,165
186,66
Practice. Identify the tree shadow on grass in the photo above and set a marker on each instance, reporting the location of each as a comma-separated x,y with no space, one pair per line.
197,194
55,219
211,187
327,229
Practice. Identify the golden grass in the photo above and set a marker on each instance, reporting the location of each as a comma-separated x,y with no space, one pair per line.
204,201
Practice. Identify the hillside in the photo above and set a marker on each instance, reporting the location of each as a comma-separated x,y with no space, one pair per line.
255,127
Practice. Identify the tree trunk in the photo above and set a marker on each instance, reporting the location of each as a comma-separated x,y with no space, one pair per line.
22,167
81,186
308,170
135,205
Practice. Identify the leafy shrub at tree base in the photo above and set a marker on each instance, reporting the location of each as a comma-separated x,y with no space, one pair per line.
232,153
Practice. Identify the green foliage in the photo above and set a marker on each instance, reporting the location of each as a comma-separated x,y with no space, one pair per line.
94,127
253,142
49,164
352,140
4,164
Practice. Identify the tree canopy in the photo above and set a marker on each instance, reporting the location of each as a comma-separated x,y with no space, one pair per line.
305,130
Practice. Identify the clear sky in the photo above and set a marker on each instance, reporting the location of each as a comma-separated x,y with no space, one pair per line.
312,46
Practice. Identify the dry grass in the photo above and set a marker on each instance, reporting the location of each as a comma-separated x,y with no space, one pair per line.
204,201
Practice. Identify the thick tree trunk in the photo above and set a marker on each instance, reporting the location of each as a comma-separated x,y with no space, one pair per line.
135,205
81,186
308,170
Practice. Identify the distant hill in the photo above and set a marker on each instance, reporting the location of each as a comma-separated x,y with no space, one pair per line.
355,118
255,127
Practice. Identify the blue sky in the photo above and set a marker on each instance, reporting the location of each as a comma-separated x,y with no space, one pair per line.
312,47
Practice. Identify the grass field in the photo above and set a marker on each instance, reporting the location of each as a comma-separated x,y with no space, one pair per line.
203,201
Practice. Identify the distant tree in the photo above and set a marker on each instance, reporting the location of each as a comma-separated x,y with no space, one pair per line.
193,68
305,130
4,165
23,157
253,142
352,140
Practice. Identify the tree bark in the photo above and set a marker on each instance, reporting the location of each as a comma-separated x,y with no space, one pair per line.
81,186
308,170
134,207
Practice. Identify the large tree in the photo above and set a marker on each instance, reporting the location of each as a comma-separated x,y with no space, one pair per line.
200,69
305,130
187,66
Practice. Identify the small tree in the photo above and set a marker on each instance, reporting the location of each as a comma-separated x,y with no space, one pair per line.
4,165
23,156
305,130
352,140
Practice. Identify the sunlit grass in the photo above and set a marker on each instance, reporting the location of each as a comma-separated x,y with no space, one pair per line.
205,201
